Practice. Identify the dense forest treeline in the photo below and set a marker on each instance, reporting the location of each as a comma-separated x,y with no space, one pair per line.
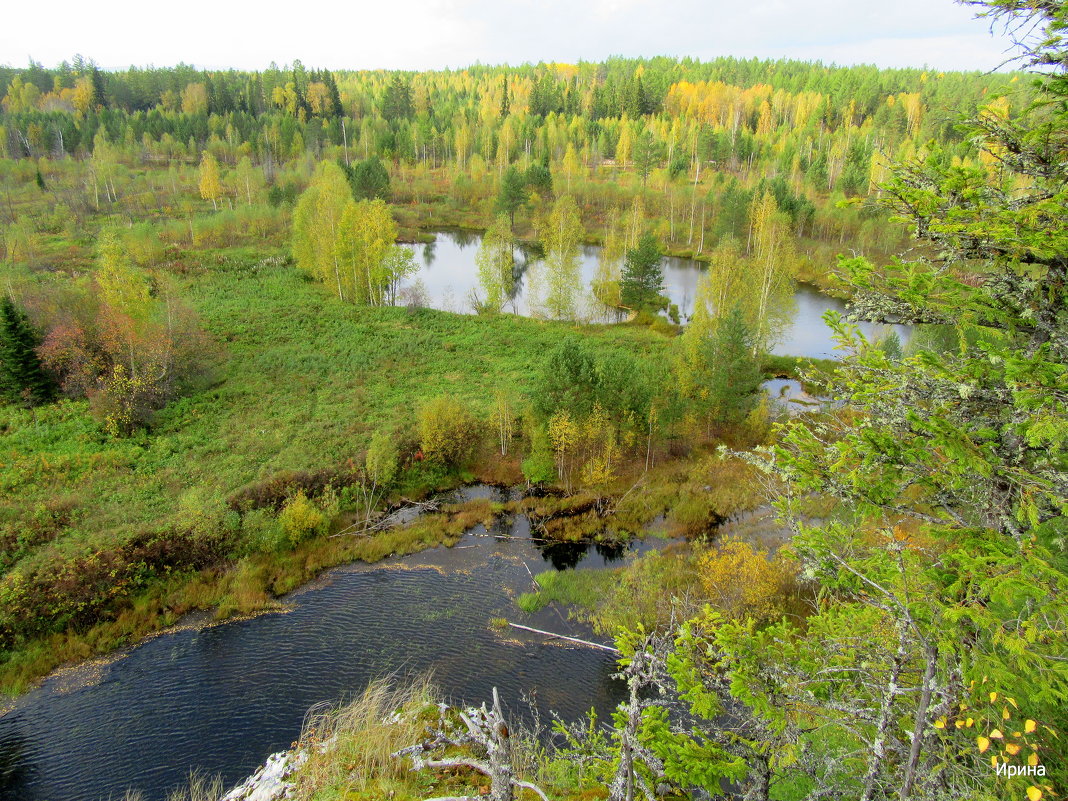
823,122
700,142
207,372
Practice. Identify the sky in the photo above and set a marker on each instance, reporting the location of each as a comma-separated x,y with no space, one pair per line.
434,34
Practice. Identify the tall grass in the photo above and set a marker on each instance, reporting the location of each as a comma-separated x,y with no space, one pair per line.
199,788
350,746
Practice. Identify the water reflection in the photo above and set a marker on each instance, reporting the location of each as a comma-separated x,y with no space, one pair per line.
450,277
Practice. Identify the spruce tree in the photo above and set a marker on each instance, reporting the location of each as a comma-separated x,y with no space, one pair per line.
642,281
22,378
512,194
735,376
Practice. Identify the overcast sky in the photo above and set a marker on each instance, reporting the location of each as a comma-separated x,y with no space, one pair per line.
421,34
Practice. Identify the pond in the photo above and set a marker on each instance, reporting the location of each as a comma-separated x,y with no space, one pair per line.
448,274
220,698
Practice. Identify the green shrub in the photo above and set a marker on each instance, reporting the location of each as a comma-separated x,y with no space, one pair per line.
262,532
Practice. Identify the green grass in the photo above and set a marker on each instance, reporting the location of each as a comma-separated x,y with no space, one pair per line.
297,380
300,382
641,592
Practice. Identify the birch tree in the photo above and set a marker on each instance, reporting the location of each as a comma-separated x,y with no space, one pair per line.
317,221
495,260
561,235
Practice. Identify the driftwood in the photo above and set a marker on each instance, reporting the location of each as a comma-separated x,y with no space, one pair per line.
564,637
487,729
364,527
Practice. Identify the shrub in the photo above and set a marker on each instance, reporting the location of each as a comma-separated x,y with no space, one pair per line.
447,431
301,519
743,582
273,492
262,532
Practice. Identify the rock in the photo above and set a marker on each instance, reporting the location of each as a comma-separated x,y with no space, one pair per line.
269,782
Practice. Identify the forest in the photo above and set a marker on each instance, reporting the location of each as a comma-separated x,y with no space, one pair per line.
223,372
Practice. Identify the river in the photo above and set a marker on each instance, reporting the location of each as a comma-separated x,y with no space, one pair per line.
220,698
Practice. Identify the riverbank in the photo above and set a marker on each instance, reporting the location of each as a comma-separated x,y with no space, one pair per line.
106,540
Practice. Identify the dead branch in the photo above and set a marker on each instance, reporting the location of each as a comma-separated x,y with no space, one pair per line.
564,637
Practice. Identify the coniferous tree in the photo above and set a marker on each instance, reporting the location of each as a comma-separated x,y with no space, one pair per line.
505,101
643,281
23,380
397,103
512,194
734,372
647,154
539,178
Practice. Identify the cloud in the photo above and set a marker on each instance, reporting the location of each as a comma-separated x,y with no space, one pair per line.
420,34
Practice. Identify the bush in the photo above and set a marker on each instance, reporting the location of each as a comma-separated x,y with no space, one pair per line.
262,532
448,432
274,492
743,582
144,244
301,519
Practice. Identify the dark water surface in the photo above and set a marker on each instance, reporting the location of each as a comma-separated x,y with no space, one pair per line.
221,698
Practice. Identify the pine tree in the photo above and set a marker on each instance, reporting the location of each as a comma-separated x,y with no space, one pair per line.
734,374
22,378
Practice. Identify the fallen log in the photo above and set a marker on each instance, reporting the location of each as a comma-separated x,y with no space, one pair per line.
564,637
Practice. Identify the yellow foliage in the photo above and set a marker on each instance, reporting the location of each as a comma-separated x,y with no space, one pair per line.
301,519
743,582
447,431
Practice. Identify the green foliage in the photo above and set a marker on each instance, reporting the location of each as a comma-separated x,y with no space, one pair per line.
23,379
382,460
368,179
938,595
642,280
301,519
732,378
576,378
495,260
513,193
539,179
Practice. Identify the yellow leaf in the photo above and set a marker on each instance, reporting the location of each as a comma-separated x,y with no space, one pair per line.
1005,713
1032,760
1033,793
1012,748
1013,702
969,723
996,734
984,744
960,724
993,697
994,761
1029,726
940,723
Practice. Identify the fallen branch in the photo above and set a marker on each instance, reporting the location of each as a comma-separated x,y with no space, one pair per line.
565,637
387,521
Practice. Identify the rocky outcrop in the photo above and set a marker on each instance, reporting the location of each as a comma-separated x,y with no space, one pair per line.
269,783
